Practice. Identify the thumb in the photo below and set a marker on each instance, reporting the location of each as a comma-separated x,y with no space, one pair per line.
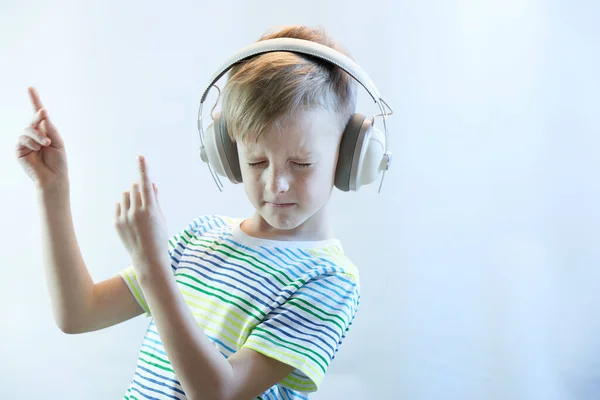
52,132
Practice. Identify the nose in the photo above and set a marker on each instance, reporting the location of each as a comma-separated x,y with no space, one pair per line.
277,181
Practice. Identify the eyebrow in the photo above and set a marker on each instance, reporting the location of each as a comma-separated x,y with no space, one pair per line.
298,153
303,154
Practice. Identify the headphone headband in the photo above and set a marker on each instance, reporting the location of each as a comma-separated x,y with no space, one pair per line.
309,48
301,46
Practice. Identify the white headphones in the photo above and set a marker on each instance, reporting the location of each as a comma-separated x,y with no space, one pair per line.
363,152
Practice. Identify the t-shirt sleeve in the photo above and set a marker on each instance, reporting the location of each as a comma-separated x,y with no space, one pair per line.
308,329
176,246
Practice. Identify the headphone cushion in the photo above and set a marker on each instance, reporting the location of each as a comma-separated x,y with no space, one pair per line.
227,150
346,172
371,163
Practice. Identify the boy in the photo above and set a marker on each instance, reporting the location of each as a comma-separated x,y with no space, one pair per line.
241,308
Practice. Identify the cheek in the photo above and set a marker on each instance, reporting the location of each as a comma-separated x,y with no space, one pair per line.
252,184
315,184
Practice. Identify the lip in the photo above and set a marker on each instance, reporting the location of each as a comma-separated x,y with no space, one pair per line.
280,205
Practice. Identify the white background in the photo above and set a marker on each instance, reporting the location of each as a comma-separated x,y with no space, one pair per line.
480,260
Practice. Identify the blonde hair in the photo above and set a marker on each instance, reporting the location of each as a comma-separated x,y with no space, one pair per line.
261,90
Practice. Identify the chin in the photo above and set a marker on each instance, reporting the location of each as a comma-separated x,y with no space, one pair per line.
283,221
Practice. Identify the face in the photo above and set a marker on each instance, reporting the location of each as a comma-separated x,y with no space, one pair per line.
289,172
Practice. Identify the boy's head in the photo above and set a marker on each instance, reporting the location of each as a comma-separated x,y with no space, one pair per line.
287,112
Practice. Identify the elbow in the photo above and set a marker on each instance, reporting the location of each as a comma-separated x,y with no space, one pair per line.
69,327
215,392
206,395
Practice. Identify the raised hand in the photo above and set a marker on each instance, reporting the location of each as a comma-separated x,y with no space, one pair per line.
40,150
142,226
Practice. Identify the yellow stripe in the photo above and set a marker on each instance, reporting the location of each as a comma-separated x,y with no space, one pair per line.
132,279
306,385
285,357
216,304
203,317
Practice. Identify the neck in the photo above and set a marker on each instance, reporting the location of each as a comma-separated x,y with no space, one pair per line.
317,227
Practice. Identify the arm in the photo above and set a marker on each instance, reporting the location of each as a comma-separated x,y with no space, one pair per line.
68,280
203,372
200,368
78,304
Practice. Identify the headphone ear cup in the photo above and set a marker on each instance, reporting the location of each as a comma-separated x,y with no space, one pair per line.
351,171
220,151
371,163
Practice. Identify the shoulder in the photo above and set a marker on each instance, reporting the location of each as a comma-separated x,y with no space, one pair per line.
212,221
333,261
208,223
199,227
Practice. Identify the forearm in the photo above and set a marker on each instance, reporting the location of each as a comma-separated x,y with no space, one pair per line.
203,372
68,280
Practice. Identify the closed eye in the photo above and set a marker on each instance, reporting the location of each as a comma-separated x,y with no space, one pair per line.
256,164
302,165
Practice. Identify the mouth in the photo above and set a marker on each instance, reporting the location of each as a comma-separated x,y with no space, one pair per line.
279,205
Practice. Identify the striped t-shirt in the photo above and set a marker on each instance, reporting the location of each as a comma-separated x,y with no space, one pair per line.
292,301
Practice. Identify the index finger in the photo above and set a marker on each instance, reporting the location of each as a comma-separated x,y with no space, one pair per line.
145,181
35,99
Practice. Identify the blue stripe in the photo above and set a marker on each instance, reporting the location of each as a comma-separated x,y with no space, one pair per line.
155,341
300,293
269,260
174,389
287,265
199,230
335,276
323,283
294,394
284,313
154,349
174,381
340,295
223,265
348,295
134,389
295,262
271,264
252,271
151,390
207,222
312,258
213,279
298,338
221,343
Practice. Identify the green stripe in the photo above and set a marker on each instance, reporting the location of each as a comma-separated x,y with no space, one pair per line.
245,258
294,302
289,348
258,328
221,298
156,365
293,386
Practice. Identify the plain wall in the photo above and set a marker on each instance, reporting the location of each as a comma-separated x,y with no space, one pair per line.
479,261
